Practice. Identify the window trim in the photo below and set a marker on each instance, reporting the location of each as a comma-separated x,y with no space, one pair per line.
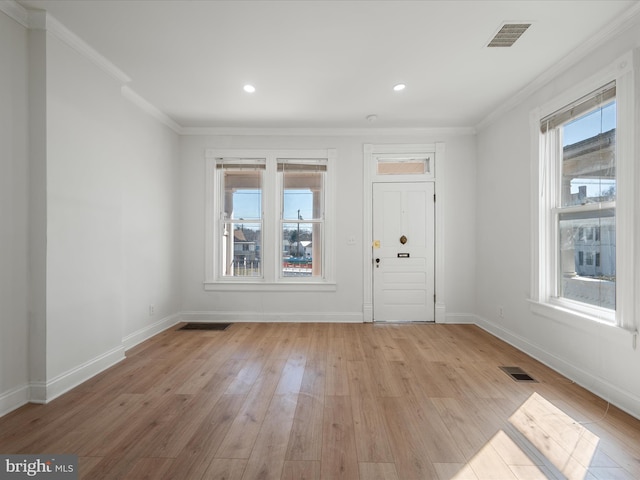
543,247
271,279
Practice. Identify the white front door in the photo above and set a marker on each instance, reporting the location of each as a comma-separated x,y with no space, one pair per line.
403,252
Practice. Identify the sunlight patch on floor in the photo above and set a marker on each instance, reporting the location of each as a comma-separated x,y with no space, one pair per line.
540,442
502,458
564,442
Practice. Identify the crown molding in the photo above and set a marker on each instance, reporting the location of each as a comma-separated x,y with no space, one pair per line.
151,109
42,20
328,132
617,26
15,11
56,28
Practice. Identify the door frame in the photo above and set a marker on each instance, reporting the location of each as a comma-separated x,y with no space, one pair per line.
437,152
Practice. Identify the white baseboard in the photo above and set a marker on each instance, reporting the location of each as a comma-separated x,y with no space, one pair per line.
458,318
41,392
624,400
367,313
38,392
13,399
149,331
298,317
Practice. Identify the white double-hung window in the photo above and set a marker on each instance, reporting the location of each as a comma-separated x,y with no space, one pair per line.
583,255
269,219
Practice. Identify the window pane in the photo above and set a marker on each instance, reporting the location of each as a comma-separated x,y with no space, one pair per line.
241,249
301,249
302,193
588,257
588,158
410,167
242,193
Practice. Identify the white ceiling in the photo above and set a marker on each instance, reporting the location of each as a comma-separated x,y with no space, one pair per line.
330,64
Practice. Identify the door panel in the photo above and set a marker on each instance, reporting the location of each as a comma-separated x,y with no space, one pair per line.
403,274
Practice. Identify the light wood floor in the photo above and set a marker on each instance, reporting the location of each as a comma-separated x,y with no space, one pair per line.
329,401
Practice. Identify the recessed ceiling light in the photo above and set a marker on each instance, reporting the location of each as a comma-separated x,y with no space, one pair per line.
399,87
249,88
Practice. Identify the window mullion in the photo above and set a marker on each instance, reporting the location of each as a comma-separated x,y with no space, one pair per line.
553,156
270,220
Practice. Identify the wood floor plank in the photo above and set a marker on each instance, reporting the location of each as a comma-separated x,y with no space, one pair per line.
112,418
454,471
138,439
293,372
270,448
488,464
149,468
353,343
338,441
301,470
241,437
219,356
329,401
225,469
372,442
249,373
410,454
305,440
151,415
388,384
462,426
337,380
378,471
194,459
85,464
389,346
314,378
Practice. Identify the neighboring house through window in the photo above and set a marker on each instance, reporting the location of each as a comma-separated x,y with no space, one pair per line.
269,217
584,146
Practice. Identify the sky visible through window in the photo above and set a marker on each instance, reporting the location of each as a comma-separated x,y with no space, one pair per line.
590,125
247,204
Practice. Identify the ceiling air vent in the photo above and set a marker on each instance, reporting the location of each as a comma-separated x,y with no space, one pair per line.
508,34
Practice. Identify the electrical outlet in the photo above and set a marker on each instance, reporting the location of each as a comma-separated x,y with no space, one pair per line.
501,311
152,310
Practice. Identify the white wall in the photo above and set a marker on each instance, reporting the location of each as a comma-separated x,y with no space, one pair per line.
150,219
597,356
111,210
14,186
88,210
85,186
345,304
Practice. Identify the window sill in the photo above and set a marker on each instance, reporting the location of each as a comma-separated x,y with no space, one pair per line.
270,287
567,315
594,326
